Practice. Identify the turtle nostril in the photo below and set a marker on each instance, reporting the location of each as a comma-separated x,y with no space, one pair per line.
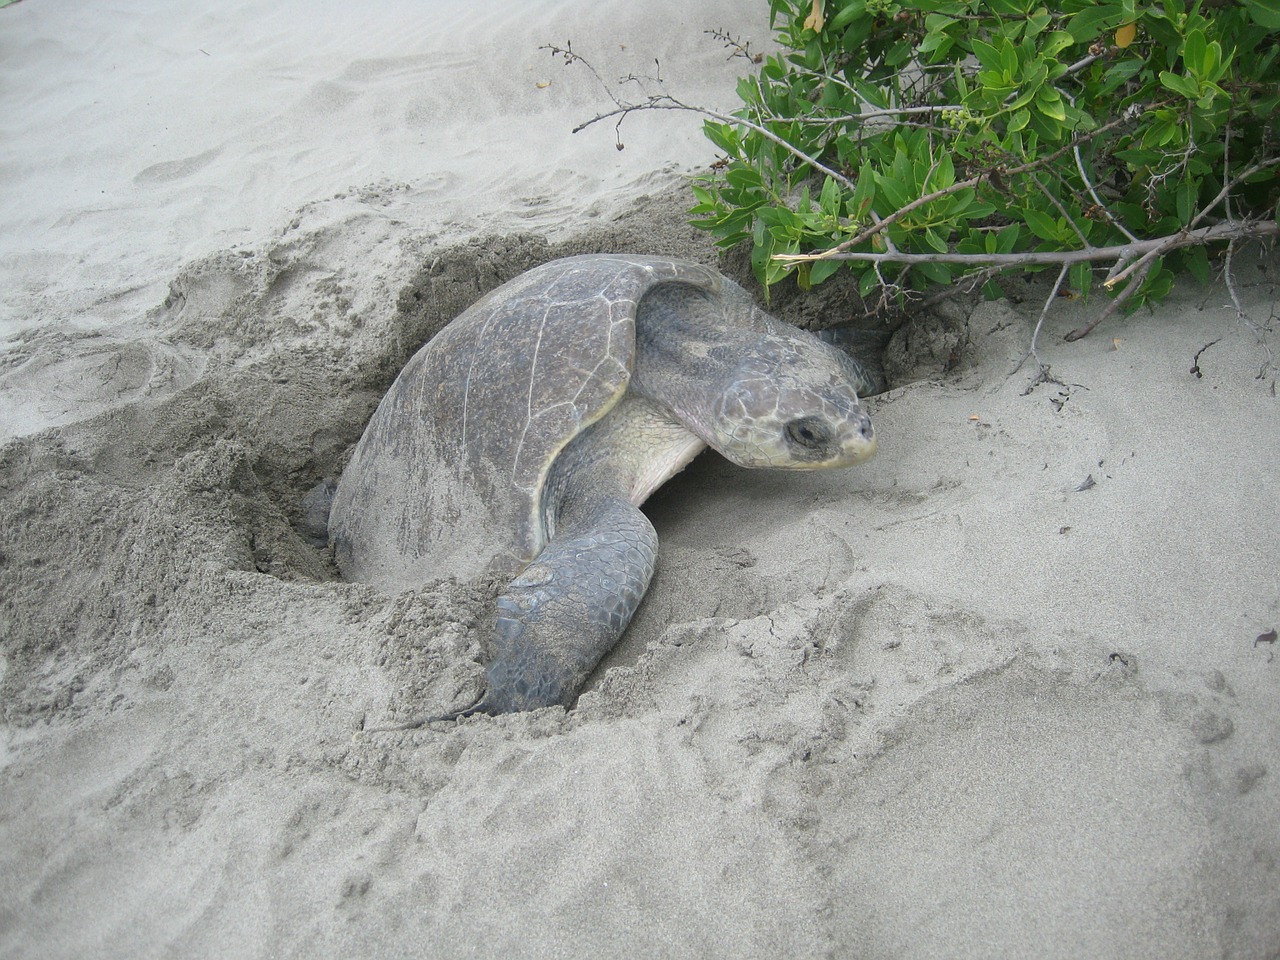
808,432
865,430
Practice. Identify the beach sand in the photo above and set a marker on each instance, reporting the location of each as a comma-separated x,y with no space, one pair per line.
999,692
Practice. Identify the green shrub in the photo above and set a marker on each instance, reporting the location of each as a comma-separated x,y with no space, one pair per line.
951,139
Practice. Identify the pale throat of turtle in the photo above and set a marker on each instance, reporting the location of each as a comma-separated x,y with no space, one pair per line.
630,452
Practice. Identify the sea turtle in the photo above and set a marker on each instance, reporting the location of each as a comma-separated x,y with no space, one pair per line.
523,438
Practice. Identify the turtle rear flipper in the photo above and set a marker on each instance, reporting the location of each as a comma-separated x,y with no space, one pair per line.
569,607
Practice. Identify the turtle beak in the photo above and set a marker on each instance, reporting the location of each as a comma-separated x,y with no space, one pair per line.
862,443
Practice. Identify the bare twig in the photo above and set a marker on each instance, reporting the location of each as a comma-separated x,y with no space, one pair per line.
1230,184
1231,229
1173,242
1061,209
1082,63
1042,373
665,101
1135,282
1268,365
963,285
861,117
736,47
1099,205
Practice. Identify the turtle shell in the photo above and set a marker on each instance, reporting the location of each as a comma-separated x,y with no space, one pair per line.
449,474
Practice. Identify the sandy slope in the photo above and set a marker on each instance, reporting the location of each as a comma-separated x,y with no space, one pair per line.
946,704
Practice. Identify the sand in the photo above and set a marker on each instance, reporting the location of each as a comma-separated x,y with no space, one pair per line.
997,693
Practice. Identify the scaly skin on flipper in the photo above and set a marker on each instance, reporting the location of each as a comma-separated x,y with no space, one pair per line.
567,609
561,615
525,436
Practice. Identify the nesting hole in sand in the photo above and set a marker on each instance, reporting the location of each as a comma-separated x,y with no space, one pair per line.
289,397
693,506
288,355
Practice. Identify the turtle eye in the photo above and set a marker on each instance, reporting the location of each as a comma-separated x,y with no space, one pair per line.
811,433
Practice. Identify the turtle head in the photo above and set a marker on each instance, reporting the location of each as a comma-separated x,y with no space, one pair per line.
791,403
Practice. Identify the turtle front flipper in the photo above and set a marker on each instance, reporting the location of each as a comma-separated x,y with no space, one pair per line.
568,608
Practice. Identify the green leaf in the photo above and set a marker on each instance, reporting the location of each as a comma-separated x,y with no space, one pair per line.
1025,95
1090,22
939,273
1008,58
944,174
988,56
1055,43
801,272
979,209
936,37
1157,285
1120,73
1194,50
1035,75
1007,239
724,137
1265,13
820,270
847,15
864,196
867,283
935,240
1049,103
761,251
1135,158
894,190
744,178
995,84
774,271
829,199
1187,192
1081,278
1041,224
1196,260
783,223
1164,130
1037,22
1183,86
